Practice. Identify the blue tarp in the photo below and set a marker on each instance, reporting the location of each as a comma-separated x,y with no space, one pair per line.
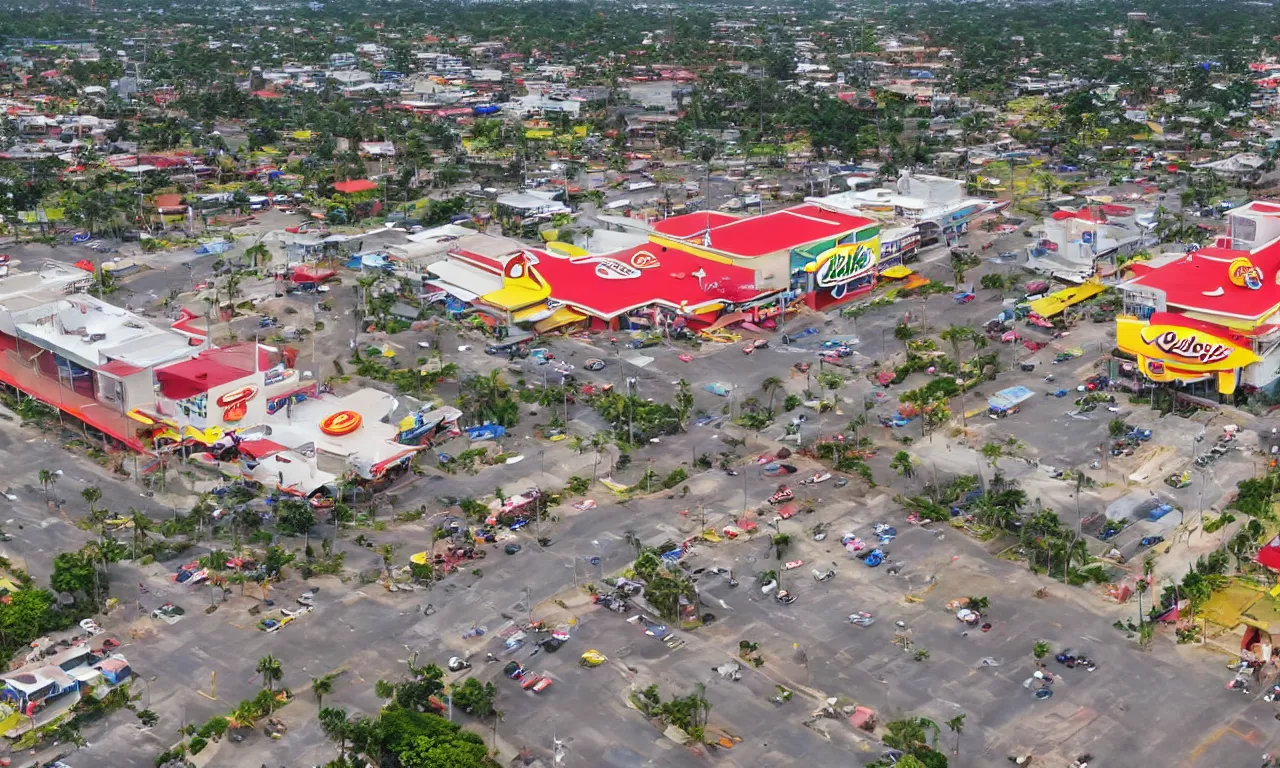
1159,512
217,246
368,261
486,432
1007,398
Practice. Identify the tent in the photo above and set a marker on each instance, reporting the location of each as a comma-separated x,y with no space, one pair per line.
311,273
1269,555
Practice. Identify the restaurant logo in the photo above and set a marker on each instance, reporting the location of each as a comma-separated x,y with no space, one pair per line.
644,260
609,269
236,396
520,267
846,263
1189,346
1244,274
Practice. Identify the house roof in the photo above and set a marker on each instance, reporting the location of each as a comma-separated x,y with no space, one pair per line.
210,368
673,280
1199,282
782,230
353,186
119,369
691,224
169,201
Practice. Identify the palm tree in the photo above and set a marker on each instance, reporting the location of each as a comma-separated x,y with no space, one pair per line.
91,495
956,725
47,481
271,670
771,385
232,288
903,465
1048,182
336,726
992,452
140,526
257,253
598,441
906,735
321,686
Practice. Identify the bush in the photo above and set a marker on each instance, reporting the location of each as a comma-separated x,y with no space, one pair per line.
197,745
578,485
677,476
214,727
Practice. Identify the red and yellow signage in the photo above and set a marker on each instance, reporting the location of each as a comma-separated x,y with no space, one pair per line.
1171,348
241,395
341,423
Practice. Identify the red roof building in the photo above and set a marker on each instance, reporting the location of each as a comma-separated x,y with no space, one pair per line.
757,236
211,368
354,186
613,284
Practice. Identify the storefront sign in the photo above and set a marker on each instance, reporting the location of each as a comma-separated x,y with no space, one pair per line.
1192,349
1184,353
846,263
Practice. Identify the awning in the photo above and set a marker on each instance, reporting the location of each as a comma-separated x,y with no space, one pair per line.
514,297
533,314
562,317
453,290
467,278
714,306
897,272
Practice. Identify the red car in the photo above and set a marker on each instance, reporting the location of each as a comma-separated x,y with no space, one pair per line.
306,227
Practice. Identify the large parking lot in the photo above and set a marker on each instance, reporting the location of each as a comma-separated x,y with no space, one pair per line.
363,633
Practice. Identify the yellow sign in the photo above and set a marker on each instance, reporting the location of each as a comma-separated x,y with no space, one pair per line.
1179,353
845,263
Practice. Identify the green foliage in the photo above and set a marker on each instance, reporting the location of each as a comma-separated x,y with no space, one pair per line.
488,399
213,728
940,388
1216,524
1040,649
476,698
294,516
577,485
79,574
276,559
1255,497
629,414
426,740
26,615
830,380
676,477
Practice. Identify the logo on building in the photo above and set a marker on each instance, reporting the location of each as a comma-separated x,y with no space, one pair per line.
1189,346
845,263
1244,274
644,260
610,269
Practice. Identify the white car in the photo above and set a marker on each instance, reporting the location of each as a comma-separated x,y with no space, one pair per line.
91,626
